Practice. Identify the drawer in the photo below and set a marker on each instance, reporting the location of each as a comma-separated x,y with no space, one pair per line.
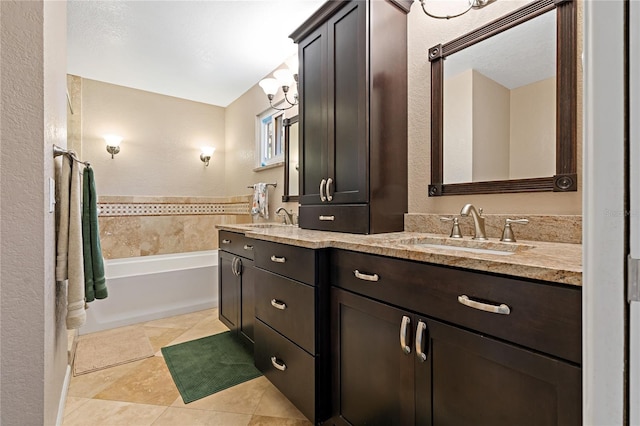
287,306
236,243
352,218
297,380
298,263
543,316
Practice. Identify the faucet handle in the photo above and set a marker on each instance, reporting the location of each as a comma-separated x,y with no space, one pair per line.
455,228
507,233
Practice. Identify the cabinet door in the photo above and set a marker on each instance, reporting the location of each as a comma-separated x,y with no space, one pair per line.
229,291
471,379
247,299
312,53
373,378
348,111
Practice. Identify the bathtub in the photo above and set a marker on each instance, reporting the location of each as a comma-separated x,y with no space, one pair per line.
151,287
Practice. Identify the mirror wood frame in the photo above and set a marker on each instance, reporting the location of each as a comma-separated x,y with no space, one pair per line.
287,143
565,178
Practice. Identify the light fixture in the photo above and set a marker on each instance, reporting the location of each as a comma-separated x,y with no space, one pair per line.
113,144
473,4
205,154
285,78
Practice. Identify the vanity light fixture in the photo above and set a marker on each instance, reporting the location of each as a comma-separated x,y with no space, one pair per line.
473,4
205,154
285,78
113,144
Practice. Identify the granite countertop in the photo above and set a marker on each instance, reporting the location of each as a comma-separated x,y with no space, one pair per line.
545,261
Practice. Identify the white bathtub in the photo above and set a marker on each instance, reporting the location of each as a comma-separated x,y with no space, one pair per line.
151,287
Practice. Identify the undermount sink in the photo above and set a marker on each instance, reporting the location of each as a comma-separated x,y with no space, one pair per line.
467,245
266,225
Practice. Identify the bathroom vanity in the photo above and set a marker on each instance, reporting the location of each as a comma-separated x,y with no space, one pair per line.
417,333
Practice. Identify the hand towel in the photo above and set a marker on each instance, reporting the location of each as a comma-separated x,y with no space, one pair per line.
260,206
94,281
69,245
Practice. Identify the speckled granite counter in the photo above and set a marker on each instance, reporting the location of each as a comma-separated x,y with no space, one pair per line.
553,262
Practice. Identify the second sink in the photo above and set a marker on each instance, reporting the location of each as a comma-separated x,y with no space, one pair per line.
465,245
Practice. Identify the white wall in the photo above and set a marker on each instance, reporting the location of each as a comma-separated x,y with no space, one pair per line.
33,358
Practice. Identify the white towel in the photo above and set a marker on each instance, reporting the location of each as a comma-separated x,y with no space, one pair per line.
260,205
69,260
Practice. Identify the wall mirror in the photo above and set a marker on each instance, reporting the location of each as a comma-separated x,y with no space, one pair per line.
291,159
503,105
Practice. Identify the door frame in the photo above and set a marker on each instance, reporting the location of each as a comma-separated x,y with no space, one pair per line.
604,218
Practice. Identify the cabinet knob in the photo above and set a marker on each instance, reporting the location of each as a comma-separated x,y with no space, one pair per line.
248,247
225,241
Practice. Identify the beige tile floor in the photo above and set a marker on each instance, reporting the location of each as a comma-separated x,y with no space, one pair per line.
143,393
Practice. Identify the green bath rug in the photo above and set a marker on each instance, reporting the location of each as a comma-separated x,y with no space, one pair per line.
208,365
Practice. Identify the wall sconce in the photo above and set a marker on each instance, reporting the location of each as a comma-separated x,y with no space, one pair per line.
113,144
285,78
473,4
205,154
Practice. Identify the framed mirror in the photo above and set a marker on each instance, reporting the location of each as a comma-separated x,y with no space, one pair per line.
503,105
291,159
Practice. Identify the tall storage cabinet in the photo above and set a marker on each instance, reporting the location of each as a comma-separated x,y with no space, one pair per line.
353,116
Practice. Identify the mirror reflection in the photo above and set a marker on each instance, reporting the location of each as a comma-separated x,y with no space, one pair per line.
499,105
291,167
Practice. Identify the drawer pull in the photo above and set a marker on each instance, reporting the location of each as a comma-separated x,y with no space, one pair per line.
225,241
327,218
366,277
500,309
403,334
248,247
278,364
277,259
420,345
278,304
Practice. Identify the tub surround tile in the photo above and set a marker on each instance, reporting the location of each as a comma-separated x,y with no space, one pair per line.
547,228
545,261
149,383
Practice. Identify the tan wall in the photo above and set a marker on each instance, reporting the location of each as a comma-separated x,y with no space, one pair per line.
240,148
162,136
533,130
425,32
491,111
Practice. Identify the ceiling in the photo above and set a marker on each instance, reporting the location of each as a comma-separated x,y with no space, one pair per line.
207,51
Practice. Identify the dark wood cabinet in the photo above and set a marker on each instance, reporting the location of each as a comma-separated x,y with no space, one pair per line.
353,109
291,338
405,350
236,281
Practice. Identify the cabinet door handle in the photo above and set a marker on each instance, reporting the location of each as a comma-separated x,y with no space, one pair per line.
225,241
495,309
237,266
366,277
233,266
278,363
403,334
278,304
248,247
277,259
322,184
328,190
327,218
420,341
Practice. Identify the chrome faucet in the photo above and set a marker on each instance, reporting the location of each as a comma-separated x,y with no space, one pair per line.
288,217
478,221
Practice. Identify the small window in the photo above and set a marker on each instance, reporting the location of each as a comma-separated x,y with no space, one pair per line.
271,137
